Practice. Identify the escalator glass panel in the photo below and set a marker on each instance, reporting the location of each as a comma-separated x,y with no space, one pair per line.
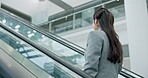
32,59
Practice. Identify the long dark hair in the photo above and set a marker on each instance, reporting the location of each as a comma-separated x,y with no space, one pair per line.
106,20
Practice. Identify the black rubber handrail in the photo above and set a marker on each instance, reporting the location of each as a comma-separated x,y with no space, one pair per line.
125,75
47,52
51,35
132,72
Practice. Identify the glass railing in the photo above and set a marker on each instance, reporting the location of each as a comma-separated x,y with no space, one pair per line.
37,62
118,12
82,18
47,42
55,44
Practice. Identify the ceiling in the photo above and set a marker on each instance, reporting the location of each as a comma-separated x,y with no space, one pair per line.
75,3
50,7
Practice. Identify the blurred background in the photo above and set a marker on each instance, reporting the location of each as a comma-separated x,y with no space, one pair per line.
61,28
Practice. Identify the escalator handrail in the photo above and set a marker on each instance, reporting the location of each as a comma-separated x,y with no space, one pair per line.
48,34
132,72
47,52
125,75
52,36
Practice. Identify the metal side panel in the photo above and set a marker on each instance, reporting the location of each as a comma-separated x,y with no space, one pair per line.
11,69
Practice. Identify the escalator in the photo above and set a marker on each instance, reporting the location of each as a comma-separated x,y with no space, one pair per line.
38,61
68,51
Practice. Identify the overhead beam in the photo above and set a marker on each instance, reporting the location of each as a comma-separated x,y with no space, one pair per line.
16,12
61,4
78,8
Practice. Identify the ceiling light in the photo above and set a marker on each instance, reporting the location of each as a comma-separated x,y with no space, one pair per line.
43,35
30,35
34,31
4,21
17,26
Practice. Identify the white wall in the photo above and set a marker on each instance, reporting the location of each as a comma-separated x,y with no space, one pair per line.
137,27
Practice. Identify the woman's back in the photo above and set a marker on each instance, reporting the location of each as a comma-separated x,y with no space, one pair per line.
103,55
100,66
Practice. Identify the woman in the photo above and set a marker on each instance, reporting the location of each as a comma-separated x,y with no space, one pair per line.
103,55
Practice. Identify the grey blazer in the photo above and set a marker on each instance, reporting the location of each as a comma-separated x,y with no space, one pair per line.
96,63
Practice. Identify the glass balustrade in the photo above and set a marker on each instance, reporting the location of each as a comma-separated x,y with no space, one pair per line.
32,59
